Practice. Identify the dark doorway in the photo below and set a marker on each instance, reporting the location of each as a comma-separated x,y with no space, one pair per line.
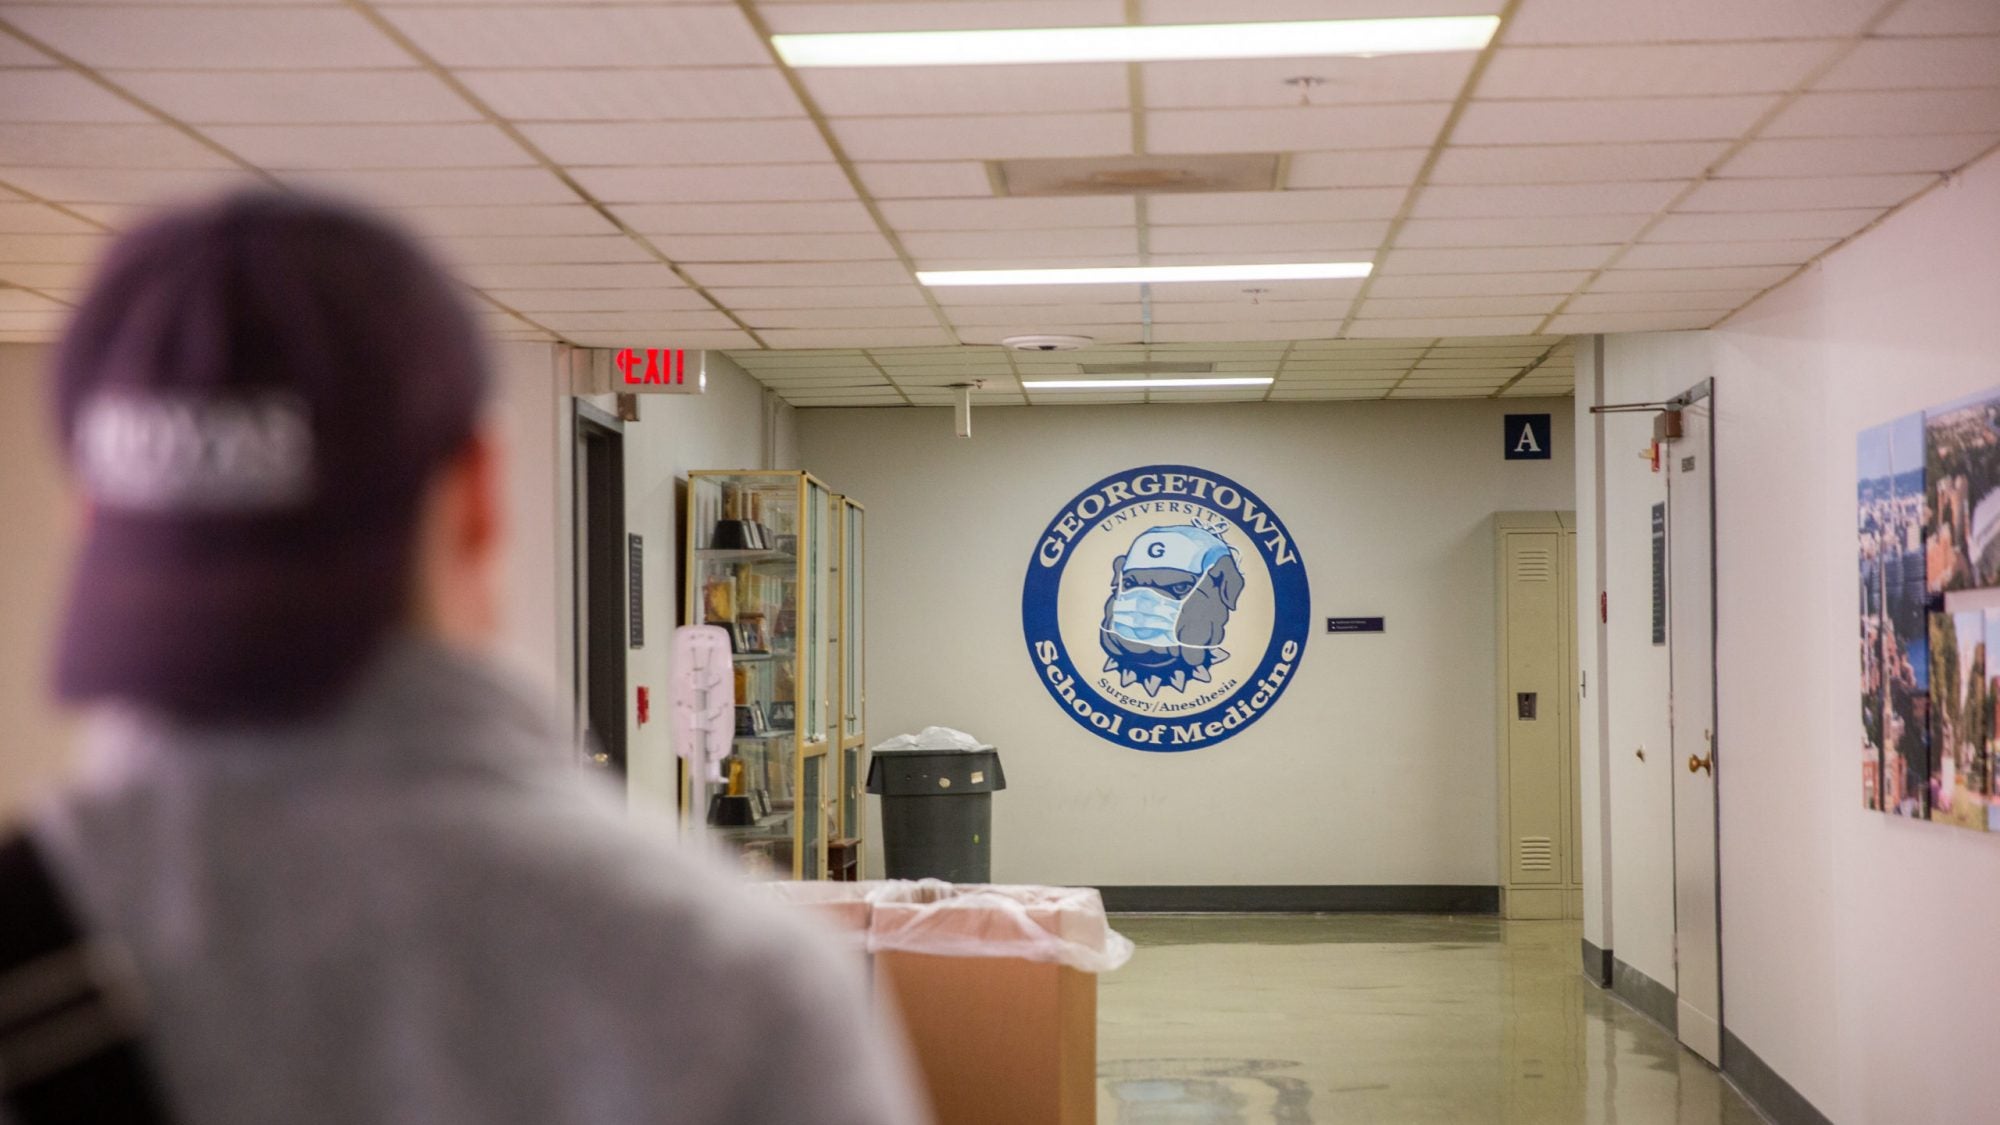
601,586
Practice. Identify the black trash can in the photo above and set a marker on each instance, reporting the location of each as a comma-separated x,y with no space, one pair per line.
937,812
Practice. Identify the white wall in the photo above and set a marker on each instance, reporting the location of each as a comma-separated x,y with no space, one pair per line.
725,428
527,414
34,558
1858,949
1376,766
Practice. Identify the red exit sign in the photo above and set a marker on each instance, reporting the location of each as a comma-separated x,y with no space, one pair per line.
654,367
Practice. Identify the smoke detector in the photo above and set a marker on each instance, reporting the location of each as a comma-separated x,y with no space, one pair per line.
1045,343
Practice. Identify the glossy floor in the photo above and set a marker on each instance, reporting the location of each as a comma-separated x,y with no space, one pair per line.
1288,1019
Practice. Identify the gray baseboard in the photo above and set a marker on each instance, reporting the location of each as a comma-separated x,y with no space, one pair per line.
1650,997
1765,1088
1358,899
1597,964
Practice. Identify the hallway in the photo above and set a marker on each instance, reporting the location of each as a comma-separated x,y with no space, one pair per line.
1288,1019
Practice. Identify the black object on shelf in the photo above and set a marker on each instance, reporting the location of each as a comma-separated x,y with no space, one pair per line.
739,535
937,812
731,811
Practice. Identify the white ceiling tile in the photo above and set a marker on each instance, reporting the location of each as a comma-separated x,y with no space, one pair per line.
639,338
925,180
1667,321
118,185
20,300
33,320
1913,64
1444,326
645,275
1942,17
1794,194
294,147
822,297
1558,164
1889,114
600,300
761,319
1274,206
1350,237
1088,242
484,36
1295,128
1511,259
716,184
1652,70
122,147
299,97
700,320
1273,291
1244,312
36,218
1003,315
774,247
1007,214
940,15
1736,226
790,274
47,95
1594,21
1622,280
855,337
202,38
52,249
637,94
971,90
1609,120
562,249
1232,333
1345,81
1664,255
421,187
1636,197
1568,230
546,220
1232,11
48,277
1371,167
823,217
1117,332
13,52
1024,262
984,137
975,295
681,143
1855,156
1717,300
1478,284
1383,308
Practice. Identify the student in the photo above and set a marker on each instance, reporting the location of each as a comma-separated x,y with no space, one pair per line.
352,872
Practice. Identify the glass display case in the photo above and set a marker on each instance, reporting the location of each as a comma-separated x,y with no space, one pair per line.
853,669
762,547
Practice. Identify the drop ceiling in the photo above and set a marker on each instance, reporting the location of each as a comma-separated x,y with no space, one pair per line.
616,174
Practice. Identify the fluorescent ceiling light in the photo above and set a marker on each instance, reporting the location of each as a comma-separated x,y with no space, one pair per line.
1160,43
1148,275
1142,384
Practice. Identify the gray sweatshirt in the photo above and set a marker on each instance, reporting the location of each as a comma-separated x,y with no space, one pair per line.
418,911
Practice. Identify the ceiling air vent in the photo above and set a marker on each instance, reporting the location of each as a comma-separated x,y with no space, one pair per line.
1135,175
1045,343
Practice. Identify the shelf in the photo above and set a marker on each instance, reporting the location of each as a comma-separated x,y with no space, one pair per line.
707,554
751,656
767,736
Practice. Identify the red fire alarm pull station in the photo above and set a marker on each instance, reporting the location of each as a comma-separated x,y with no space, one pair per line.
645,705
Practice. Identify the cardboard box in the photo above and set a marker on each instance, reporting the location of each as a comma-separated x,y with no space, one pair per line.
1000,1041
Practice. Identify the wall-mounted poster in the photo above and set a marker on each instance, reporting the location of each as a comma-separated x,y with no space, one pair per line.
1166,608
1962,471
1895,641
1960,712
1989,784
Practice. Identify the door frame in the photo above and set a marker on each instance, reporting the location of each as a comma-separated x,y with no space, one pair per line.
590,424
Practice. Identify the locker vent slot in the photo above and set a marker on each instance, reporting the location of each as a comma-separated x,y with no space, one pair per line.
1538,853
1534,566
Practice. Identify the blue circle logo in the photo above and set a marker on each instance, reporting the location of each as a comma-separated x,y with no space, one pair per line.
1166,608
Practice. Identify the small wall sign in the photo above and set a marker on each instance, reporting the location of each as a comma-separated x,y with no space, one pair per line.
1528,437
635,570
1354,625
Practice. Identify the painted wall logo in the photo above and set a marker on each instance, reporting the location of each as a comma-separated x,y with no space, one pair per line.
1180,595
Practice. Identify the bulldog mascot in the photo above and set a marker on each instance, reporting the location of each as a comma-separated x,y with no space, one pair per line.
1172,593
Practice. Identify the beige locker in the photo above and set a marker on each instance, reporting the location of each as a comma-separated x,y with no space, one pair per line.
1540,862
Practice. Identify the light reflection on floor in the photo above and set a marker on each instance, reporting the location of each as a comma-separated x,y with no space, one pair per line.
1290,1019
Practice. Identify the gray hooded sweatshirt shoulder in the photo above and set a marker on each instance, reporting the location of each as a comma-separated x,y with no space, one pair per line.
417,911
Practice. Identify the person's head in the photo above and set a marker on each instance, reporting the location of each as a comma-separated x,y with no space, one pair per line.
270,405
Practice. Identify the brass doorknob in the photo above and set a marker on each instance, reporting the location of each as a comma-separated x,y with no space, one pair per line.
1697,765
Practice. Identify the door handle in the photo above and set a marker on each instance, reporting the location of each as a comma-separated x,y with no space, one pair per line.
1697,765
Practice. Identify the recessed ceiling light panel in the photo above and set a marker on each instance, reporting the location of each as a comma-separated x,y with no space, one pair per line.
1159,43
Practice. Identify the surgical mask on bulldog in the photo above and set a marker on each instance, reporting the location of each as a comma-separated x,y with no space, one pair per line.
1144,615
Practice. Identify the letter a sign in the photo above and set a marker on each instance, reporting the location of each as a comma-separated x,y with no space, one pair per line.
1527,437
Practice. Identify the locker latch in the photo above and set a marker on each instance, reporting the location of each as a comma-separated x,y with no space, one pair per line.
1524,704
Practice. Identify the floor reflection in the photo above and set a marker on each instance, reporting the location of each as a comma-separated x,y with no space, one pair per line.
1247,1020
